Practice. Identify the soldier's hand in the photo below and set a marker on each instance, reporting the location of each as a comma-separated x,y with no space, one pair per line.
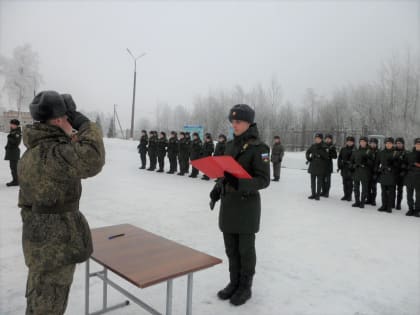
231,180
77,120
212,203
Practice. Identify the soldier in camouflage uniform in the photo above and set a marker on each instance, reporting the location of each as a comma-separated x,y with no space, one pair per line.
55,234
277,153
12,150
240,209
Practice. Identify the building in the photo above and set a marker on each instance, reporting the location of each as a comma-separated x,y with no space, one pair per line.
24,118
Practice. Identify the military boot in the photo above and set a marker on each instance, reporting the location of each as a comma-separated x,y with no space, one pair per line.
243,293
230,289
410,212
12,183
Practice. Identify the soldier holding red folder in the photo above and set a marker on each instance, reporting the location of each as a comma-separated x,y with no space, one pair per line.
240,208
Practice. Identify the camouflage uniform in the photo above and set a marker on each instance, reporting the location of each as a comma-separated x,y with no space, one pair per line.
55,234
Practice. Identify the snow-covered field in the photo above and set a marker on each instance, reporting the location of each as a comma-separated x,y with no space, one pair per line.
314,257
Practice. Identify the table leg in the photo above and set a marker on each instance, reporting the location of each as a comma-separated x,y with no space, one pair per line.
104,289
169,285
87,287
189,294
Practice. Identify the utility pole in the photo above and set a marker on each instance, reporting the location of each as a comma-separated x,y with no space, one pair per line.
134,90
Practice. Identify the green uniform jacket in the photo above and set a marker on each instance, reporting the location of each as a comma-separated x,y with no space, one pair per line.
332,154
344,161
317,156
412,179
240,210
362,161
142,147
387,167
196,149
277,153
55,233
173,147
162,144
12,146
152,147
184,148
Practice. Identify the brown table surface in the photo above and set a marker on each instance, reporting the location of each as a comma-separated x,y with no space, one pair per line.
144,258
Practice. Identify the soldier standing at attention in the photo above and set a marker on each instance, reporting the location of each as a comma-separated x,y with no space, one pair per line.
373,148
388,174
162,144
12,150
362,162
183,154
401,172
317,157
173,152
55,234
332,154
220,145
277,153
188,145
344,165
240,209
412,180
152,150
142,148
195,152
208,148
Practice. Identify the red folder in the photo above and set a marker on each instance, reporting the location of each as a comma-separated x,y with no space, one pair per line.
215,166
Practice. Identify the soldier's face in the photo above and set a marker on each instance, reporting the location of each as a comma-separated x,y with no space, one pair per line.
389,145
221,139
372,145
240,126
62,123
318,140
400,145
417,146
13,126
363,144
328,140
349,143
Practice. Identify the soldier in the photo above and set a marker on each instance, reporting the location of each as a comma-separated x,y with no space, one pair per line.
317,157
195,152
412,180
344,165
332,154
184,153
152,150
240,209
373,148
142,148
362,162
55,234
401,172
12,150
277,153
207,150
173,152
388,174
188,143
220,145
162,144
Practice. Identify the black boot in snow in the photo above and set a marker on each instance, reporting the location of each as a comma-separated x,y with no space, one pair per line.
230,289
243,293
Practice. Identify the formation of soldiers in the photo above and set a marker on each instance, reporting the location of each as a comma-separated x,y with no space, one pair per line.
180,150
363,167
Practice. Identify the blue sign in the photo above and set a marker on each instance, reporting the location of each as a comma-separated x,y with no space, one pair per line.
195,128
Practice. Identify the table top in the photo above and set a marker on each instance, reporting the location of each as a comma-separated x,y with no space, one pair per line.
144,258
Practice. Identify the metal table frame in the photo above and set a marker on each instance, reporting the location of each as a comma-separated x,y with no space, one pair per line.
103,275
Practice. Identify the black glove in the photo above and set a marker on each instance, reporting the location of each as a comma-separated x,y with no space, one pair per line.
212,203
75,118
231,180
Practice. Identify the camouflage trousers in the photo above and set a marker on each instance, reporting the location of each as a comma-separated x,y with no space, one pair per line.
47,291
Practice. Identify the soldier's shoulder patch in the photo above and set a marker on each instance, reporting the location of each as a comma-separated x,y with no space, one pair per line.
265,157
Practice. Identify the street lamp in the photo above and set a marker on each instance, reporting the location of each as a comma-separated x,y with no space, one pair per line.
134,89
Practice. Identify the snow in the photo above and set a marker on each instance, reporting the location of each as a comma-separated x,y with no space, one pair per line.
314,257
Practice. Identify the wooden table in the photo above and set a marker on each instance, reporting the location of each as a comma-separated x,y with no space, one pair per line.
143,259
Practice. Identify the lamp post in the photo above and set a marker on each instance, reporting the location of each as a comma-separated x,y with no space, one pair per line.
134,90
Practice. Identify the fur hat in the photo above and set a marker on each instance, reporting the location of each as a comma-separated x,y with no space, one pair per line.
47,105
242,112
15,122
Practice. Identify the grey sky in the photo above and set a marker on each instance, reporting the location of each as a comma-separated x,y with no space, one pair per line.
193,47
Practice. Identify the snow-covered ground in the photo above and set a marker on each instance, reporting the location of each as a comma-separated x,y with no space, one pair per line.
314,257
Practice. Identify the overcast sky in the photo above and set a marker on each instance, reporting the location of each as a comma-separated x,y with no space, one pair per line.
193,47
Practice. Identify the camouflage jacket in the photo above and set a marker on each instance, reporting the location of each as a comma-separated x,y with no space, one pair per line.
54,232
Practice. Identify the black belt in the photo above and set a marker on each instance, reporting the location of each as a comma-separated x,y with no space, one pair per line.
56,208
